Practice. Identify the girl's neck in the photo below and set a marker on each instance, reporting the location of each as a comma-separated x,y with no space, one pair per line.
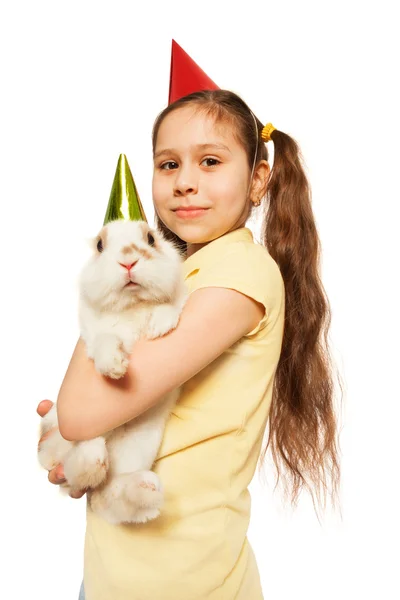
192,248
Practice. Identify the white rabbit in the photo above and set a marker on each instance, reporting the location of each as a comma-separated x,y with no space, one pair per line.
131,287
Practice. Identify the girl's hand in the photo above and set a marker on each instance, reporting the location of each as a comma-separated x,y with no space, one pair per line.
56,475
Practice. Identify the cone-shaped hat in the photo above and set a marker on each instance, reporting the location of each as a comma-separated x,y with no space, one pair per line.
186,76
124,202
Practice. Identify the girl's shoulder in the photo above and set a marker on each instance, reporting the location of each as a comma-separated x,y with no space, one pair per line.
244,266
242,260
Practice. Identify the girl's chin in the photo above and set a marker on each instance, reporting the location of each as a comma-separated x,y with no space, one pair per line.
191,230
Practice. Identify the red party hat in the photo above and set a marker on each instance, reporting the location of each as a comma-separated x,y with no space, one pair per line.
186,76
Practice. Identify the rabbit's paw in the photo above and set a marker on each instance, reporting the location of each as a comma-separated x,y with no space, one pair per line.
111,361
142,515
163,319
146,492
53,449
128,498
86,465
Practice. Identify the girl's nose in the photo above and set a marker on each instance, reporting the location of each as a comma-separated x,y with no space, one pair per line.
184,189
185,184
128,265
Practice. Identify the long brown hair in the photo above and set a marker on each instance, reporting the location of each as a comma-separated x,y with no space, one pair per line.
302,420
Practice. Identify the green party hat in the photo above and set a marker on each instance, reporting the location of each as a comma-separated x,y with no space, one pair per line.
124,202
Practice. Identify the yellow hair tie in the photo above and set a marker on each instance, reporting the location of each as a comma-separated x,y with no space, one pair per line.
266,132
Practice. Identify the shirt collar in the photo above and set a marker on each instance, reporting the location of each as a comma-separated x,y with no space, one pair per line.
203,256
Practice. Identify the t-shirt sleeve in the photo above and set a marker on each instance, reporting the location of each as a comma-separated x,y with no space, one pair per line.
247,269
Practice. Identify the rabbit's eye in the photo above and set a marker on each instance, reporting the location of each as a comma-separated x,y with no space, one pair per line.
100,245
150,238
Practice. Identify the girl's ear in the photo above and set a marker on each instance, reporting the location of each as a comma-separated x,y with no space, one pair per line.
260,180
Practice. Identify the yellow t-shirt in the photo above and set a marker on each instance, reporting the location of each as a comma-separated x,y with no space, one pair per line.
197,548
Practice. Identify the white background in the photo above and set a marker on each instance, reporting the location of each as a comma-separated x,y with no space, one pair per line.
83,82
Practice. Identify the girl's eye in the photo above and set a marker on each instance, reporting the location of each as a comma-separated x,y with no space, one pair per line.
171,162
212,159
100,245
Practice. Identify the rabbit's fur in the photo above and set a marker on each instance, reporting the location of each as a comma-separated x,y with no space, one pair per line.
113,314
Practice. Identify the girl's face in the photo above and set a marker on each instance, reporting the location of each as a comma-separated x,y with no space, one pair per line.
197,163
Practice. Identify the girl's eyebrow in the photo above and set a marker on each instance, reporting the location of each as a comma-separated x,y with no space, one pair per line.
196,147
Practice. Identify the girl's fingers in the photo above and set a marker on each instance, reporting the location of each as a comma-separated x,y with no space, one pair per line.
56,475
78,494
43,407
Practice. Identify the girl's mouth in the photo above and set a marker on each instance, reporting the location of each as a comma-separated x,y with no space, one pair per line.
190,214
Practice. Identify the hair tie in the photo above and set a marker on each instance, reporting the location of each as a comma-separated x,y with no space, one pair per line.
266,132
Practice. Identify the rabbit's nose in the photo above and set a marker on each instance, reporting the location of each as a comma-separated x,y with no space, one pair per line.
128,265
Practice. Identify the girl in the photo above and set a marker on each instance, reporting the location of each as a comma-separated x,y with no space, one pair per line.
251,344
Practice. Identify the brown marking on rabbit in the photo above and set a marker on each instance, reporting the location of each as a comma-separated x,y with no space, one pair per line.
103,235
112,317
128,249
145,229
133,247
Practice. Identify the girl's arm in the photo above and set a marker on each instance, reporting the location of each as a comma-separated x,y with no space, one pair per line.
90,404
